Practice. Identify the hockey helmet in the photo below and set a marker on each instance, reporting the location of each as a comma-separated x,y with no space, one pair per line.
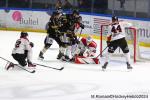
23,34
75,12
59,10
114,18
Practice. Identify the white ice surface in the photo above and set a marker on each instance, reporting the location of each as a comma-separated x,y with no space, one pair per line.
75,82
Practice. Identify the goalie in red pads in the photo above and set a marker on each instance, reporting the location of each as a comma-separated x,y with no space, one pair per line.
85,54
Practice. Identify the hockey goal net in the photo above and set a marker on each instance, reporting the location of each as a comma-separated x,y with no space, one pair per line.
132,39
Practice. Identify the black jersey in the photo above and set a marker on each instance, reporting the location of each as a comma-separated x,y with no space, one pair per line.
53,26
68,22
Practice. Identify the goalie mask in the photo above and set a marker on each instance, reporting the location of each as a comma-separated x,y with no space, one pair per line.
89,39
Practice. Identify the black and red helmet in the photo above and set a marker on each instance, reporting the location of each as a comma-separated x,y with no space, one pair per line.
114,18
23,34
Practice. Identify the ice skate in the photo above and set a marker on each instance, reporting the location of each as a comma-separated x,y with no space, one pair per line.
104,66
66,58
31,65
129,66
60,55
10,65
41,57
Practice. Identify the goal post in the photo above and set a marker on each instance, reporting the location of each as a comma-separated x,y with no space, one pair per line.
135,43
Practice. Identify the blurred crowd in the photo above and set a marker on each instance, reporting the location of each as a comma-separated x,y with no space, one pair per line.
83,5
119,7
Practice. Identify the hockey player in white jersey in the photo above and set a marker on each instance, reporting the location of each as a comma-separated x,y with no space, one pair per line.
22,51
116,38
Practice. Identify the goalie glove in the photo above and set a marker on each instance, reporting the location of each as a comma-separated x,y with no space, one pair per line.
108,40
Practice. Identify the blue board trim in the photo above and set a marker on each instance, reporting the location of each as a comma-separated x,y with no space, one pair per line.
85,13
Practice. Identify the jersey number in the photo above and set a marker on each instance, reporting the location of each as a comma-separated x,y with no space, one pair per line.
115,30
17,43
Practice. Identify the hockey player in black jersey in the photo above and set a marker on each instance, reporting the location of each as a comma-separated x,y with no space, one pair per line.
69,38
52,28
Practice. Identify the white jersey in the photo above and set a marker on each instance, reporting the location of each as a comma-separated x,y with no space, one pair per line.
21,45
117,31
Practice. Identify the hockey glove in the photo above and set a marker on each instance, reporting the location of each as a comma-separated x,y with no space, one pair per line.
82,25
31,44
108,43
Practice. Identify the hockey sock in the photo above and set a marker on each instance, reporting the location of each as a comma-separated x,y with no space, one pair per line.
108,57
68,51
127,56
44,50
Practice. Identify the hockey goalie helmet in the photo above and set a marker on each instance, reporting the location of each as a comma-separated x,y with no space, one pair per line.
23,34
89,39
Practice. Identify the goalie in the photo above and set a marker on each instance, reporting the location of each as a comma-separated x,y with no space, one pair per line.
85,53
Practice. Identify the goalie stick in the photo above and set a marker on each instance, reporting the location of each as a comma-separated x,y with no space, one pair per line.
33,71
50,67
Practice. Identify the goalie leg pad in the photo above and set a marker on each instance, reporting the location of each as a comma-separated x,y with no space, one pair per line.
86,60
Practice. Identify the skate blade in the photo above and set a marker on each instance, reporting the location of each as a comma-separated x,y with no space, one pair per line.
129,70
40,58
103,69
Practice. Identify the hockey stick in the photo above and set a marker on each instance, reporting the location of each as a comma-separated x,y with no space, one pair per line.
50,67
80,35
85,61
33,71
102,52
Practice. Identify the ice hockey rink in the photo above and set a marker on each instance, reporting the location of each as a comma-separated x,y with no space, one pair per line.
75,82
